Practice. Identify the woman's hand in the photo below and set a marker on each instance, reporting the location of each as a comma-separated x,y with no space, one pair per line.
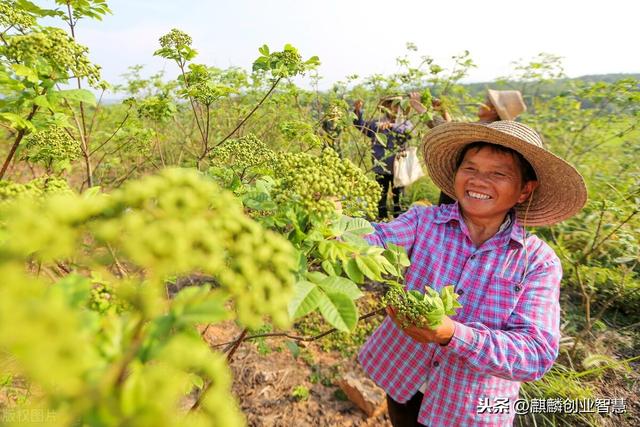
441,335
414,101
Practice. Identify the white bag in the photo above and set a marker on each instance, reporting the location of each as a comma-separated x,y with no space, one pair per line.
406,167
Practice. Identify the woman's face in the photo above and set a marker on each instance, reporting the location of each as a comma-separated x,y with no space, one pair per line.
487,112
489,183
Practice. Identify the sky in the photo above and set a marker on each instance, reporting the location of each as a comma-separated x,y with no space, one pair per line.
365,37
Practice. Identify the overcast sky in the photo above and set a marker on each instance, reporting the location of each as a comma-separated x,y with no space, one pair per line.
365,37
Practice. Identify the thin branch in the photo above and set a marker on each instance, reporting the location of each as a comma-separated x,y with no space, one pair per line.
297,337
614,231
126,117
273,86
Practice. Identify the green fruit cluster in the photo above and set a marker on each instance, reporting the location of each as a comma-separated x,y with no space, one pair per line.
54,53
177,222
102,299
317,182
175,39
33,189
243,153
424,310
51,145
12,16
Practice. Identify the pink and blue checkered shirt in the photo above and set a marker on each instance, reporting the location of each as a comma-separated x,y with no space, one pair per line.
506,332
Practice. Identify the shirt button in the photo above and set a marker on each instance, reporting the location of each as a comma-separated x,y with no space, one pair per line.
436,364
517,288
459,292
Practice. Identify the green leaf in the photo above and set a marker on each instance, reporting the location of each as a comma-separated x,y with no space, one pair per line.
328,267
397,255
316,276
305,299
42,101
17,122
80,95
75,288
23,71
352,270
293,348
369,267
357,226
339,310
196,380
334,284
193,305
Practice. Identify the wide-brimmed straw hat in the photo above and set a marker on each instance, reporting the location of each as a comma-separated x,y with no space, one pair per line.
508,103
561,190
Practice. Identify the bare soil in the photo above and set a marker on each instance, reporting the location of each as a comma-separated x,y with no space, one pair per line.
264,385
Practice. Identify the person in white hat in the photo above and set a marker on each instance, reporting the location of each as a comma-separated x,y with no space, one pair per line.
467,372
388,134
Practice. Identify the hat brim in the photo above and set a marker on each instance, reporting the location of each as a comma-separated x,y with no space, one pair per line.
561,190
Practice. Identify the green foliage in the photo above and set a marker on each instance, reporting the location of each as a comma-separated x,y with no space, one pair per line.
176,45
285,63
424,310
300,392
133,363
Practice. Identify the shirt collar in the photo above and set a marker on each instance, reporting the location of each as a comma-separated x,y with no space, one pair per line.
510,227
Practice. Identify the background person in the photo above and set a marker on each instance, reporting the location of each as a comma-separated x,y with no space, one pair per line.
389,134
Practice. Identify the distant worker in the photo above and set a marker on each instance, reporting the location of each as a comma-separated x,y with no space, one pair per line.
389,134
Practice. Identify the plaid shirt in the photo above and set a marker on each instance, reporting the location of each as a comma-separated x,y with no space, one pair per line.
506,332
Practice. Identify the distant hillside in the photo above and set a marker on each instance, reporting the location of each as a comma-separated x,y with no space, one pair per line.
554,86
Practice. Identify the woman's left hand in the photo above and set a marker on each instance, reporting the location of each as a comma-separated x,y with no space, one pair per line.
441,335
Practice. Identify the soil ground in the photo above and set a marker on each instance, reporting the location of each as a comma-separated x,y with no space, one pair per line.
265,386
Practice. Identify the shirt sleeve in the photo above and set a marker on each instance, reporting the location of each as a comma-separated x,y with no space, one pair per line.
528,345
369,128
401,231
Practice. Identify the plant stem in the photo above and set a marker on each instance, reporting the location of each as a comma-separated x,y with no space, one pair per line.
16,143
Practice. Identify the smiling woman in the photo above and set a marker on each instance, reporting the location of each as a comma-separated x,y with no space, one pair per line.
507,280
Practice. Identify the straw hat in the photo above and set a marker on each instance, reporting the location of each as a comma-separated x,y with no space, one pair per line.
561,190
508,103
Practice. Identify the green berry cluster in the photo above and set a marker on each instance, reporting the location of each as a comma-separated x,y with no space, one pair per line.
12,16
243,153
178,222
51,145
55,54
317,182
424,310
290,60
102,299
175,39
33,189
